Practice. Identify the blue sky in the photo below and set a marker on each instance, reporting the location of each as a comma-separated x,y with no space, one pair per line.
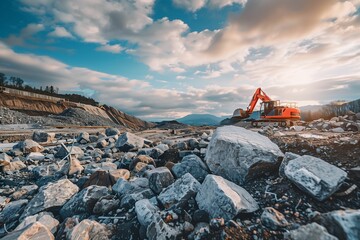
168,58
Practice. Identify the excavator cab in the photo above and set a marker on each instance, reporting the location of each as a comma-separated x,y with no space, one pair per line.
269,108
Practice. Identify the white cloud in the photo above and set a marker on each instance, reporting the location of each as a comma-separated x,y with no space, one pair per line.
26,33
60,32
190,5
115,48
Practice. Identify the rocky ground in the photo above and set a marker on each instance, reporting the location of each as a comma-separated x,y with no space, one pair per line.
186,183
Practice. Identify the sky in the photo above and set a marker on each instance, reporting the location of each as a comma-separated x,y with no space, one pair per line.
164,59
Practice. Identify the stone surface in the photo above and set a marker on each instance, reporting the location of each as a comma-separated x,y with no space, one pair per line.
77,151
28,146
106,204
112,131
180,191
123,187
88,229
43,137
52,195
35,231
314,176
129,142
158,229
104,166
44,218
99,178
84,201
238,154
119,173
83,138
344,224
8,166
129,200
222,198
159,179
273,219
191,164
145,211
74,166
12,211
312,231
141,159
36,156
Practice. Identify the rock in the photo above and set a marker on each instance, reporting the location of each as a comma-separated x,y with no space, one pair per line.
52,195
200,216
238,154
99,178
119,173
288,156
191,164
88,229
84,201
83,138
129,200
141,159
104,166
44,218
12,165
342,224
312,231
102,143
145,211
180,191
43,137
159,179
74,166
35,231
273,219
158,229
25,191
163,147
123,187
338,130
112,131
35,156
129,142
106,204
314,176
222,198
28,146
45,170
12,211
355,173
76,151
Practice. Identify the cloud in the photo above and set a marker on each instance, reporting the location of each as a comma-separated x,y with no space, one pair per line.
116,48
60,32
26,33
194,5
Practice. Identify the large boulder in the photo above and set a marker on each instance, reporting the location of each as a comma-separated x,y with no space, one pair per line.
180,191
314,176
52,195
222,198
238,154
43,137
129,142
35,231
88,229
145,211
191,164
312,231
342,224
28,146
112,131
84,201
44,218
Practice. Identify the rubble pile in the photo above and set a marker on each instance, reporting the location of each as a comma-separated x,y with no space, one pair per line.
349,122
229,184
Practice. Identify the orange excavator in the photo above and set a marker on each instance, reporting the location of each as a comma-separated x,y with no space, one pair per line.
271,112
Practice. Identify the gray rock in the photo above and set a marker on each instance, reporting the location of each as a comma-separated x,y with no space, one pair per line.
84,201
12,211
45,170
152,152
105,166
342,224
159,178
123,187
158,229
34,231
83,138
288,156
145,211
106,204
273,219
222,198
163,147
238,154
28,146
191,164
44,218
43,137
35,156
52,195
314,176
112,131
78,152
312,231
129,142
338,130
180,191
88,229
129,200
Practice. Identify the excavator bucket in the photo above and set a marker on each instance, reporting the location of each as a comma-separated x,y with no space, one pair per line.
240,114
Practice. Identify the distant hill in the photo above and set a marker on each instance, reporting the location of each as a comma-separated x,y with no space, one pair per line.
201,120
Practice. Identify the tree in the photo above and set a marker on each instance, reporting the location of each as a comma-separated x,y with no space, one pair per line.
19,82
51,89
13,80
2,79
47,89
41,88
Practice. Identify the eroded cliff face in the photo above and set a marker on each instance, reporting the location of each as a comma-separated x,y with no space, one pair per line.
41,107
